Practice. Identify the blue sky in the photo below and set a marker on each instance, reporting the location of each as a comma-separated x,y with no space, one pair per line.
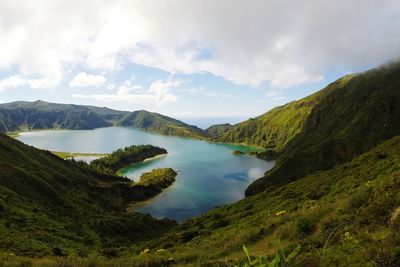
189,59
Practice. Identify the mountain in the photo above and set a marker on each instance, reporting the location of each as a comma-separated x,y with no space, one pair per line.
43,115
49,206
154,122
23,115
347,118
273,129
343,120
218,129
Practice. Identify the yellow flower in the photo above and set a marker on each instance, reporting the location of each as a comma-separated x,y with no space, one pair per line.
347,236
145,251
280,212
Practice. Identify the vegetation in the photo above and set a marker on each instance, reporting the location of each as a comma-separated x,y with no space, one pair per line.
161,178
218,129
154,122
124,157
69,155
49,206
152,183
23,116
352,209
334,191
349,117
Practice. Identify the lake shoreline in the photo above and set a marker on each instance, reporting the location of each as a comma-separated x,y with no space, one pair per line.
209,175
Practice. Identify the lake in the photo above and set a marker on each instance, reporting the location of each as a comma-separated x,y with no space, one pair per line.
208,174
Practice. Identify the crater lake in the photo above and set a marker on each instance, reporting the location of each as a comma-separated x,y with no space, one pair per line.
209,174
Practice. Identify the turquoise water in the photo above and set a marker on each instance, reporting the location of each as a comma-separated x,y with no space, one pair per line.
208,174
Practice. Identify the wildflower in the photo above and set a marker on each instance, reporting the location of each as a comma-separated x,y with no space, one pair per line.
280,212
145,251
347,236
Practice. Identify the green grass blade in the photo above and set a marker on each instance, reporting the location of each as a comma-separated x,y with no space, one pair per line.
293,254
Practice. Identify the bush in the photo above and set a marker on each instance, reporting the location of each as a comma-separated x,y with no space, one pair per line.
58,252
304,226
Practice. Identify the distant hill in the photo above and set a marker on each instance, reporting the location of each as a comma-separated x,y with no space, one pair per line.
23,115
154,122
271,130
52,206
43,115
218,129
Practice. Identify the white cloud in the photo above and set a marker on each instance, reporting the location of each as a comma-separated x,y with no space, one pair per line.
19,80
202,91
281,42
158,93
83,79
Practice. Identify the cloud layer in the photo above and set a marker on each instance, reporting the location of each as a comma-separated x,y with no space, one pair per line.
159,92
280,42
83,79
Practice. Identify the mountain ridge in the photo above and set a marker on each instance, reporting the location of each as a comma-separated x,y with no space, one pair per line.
24,115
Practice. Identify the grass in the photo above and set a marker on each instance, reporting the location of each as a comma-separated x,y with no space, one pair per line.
68,155
351,209
49,206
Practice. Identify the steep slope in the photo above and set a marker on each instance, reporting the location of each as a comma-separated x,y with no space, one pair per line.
43,115
346,216
218,129
52,206
349,117
154,122
273,129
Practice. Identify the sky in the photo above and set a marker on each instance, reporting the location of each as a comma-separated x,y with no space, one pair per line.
189,58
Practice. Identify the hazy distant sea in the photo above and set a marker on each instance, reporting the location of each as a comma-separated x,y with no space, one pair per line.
207,122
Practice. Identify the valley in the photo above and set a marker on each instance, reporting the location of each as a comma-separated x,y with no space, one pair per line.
326,181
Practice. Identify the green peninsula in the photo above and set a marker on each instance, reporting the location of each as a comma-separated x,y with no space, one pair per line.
152,183
124,157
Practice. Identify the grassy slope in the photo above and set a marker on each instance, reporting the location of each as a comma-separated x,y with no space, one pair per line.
353,115
43,115
154,182
273,129
346,216
48,203
155,122
360,197
69,155
218,129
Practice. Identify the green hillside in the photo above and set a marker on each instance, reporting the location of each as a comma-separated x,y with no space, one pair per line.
272,130
154,122
22,116
349,117
43,115
49,206
346,216
218,129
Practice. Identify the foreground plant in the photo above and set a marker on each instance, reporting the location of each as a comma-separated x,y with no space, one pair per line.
279,260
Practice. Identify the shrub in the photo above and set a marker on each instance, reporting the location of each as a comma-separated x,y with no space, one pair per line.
304,226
